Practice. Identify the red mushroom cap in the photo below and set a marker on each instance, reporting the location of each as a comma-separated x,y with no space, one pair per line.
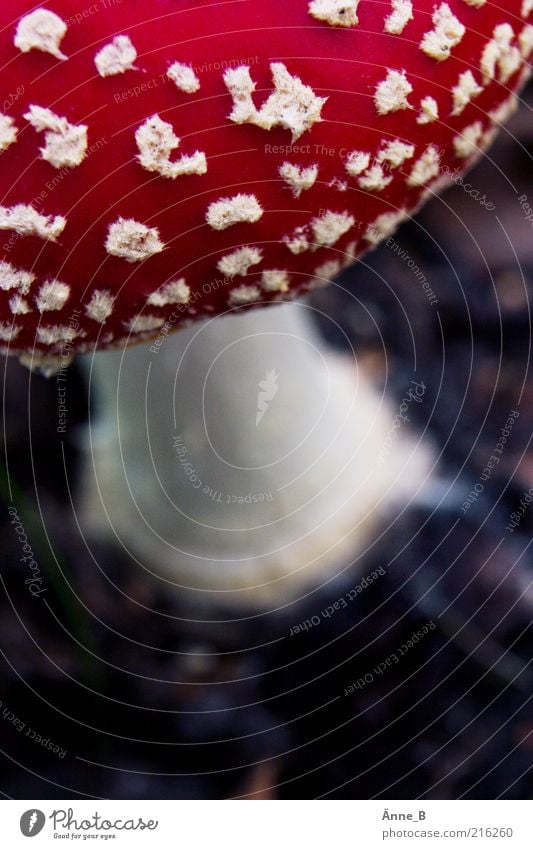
164,160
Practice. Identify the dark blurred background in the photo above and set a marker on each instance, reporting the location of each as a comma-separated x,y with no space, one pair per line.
110,688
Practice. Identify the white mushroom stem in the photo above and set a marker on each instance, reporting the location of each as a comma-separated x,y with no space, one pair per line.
241,460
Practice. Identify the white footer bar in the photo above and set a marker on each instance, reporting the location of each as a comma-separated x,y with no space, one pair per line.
268,825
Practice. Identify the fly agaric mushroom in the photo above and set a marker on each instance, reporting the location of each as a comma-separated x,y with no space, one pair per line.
165,162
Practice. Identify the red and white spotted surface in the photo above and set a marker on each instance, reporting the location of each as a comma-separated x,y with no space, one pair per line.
163,160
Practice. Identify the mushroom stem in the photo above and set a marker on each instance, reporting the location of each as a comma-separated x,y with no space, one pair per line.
240,459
